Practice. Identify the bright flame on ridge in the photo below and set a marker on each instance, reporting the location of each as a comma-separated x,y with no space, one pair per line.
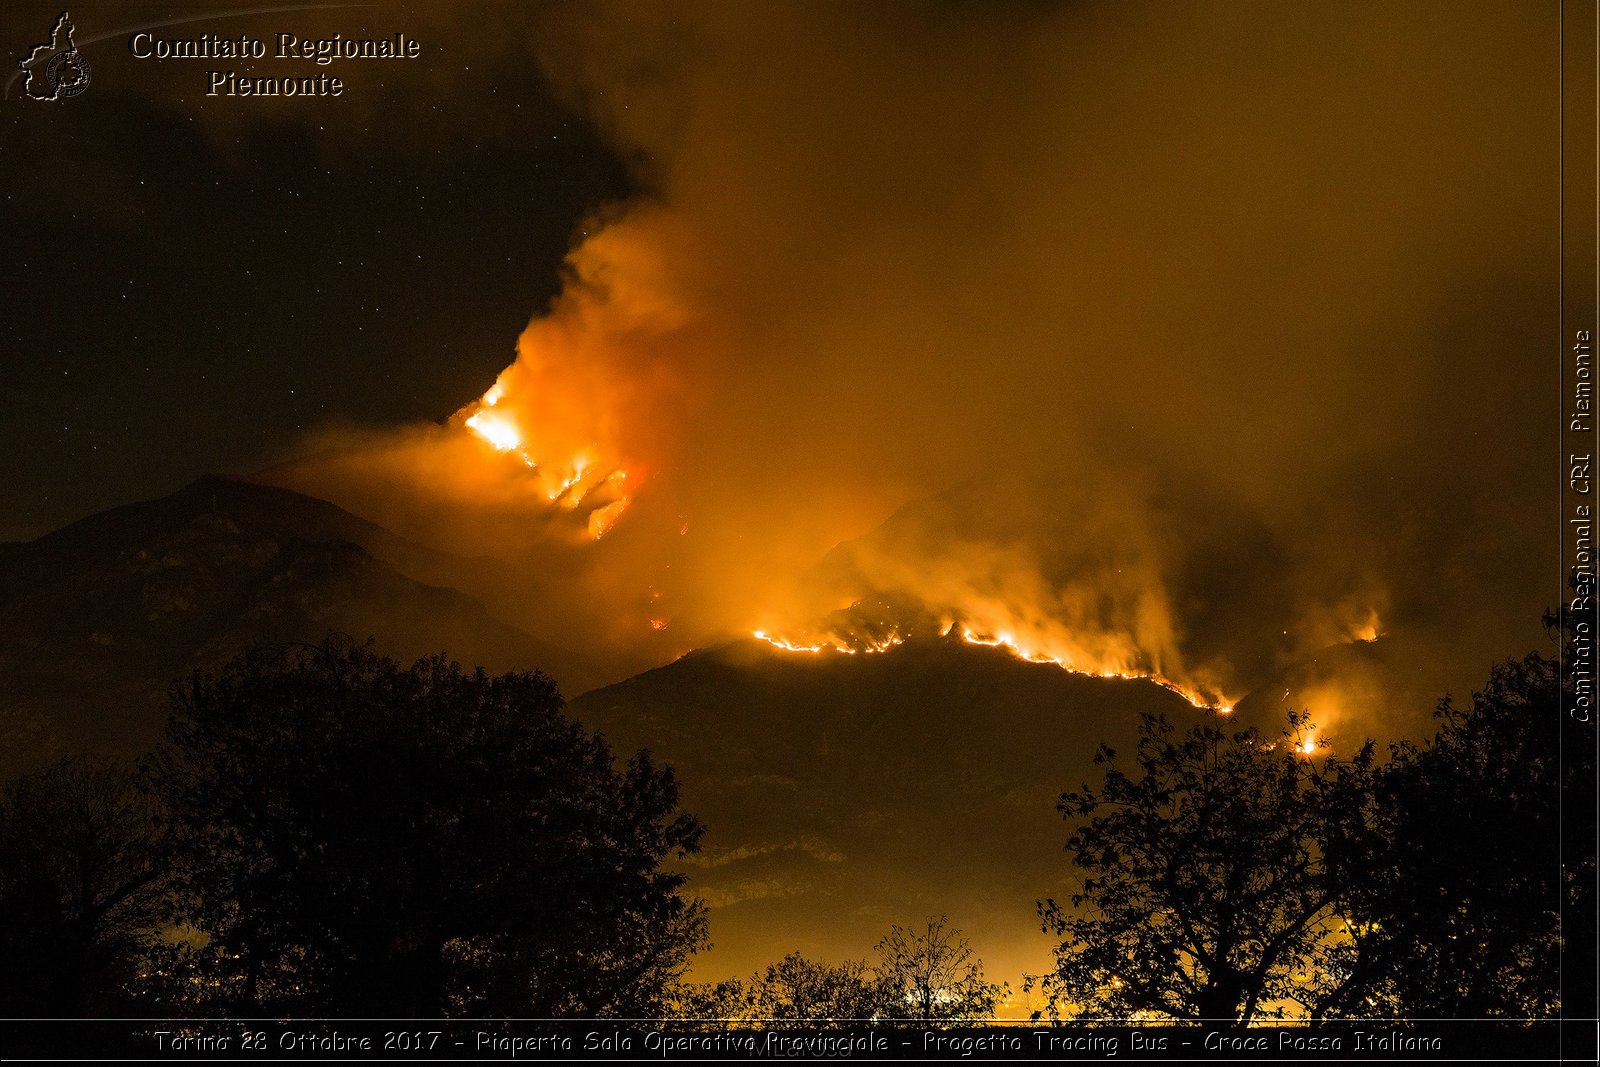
1004,640
831,644
496,430
580,483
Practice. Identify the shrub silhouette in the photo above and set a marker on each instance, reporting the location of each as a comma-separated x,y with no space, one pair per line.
361,839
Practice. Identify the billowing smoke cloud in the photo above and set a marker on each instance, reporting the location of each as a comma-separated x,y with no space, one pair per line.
1189,339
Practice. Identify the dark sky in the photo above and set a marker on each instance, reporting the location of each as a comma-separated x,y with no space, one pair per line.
191,284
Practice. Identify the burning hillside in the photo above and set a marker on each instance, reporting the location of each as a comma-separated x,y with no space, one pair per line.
831,361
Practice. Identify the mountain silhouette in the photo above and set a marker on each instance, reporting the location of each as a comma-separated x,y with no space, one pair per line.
102,615
841,793
844,793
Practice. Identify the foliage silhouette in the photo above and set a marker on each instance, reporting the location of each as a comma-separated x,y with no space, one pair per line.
81,891
932,974
1466,883
328,833
928,975
1207,891
796,989
1234,878
365,840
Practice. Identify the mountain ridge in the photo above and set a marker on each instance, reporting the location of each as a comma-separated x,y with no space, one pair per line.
106,612
842,793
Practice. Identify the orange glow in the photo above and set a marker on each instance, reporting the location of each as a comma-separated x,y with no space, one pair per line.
602,519
495,429
831,644
1003,640
579,483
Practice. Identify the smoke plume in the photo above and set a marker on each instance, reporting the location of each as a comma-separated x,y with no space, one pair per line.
1186,339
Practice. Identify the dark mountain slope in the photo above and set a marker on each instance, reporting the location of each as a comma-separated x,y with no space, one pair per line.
101,616
843,793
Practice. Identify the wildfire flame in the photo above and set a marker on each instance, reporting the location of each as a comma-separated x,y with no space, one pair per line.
600,491
576,483
1008,642
496,430
831,644
1004,640
572,421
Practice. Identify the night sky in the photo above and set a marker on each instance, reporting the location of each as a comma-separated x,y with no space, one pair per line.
192,284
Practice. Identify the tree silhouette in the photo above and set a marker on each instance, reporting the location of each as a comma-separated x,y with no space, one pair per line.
933,974
80,889
1466,888
1207,892
796,990
927,975
361,839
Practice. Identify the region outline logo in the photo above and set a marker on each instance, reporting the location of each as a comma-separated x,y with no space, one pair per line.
55,70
